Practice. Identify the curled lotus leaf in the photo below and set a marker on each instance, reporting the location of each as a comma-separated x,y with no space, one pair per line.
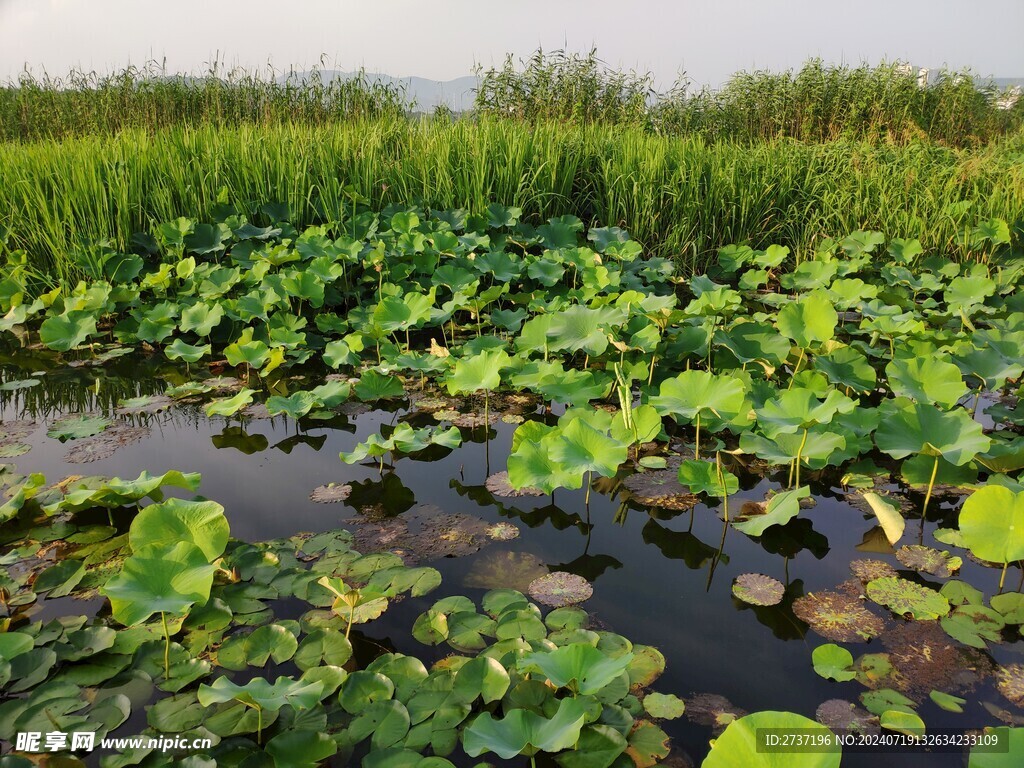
1010,681
841,715
559,589
758,589
868,569
927,560
330,493
660,488
502,532
499,485
905,597
839,617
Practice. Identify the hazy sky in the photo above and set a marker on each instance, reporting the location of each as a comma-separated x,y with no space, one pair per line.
708,39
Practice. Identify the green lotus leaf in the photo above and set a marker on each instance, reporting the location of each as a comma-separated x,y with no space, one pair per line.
799,408
846,367
201,318
179,350
387,721
909,428
581,329
647,745
737,746
780,509
261,694
664,706
76,427
301,748
900,721
987,757
833,662
229,406
363,688
809,320
522,732
60,579
926,380
947,701
598,747
480,372
482,678
14,644
201,523
531,465
305,286
67,331
159,580
905,597
294,406
992,524
580,667
973,625
249,352
703,477
581,448
373,385
715,398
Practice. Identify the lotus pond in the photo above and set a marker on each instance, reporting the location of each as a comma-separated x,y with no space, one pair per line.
418,488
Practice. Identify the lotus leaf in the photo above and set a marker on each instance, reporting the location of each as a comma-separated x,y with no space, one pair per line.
906,597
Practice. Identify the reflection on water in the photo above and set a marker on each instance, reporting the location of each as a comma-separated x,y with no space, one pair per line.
662,577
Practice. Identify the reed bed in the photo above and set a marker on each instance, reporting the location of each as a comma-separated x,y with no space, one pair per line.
681,197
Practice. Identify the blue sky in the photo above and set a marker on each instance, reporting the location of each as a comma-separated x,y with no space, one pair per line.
708,40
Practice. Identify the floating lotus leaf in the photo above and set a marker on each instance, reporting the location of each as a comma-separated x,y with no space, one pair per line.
76,427
502,532
905,597
712,710
660,488
104,445
330,493
737,746
928,560
924,658
833,662
1010,680
499,485
524,732
514,570
15,431
868,570
229,406
664,706
838,617
13,450
758,589
144,404
973,625
842,716
559,588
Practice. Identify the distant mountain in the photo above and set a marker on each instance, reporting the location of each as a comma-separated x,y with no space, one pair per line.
457,94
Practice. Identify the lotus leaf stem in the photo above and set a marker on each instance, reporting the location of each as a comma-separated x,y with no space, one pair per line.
167,646
931,485
799,456
796,370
